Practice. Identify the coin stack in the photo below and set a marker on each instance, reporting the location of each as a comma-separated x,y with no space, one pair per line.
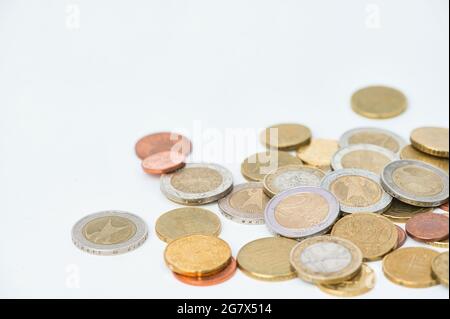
333,206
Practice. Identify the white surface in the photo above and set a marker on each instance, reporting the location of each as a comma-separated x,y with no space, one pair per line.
74,98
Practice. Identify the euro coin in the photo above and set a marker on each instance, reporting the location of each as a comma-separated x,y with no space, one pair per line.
431,140
374,234
302,212
292,176
358,191
326,260
367,157
187,221
245,204
267,259
416,183
371,135
109,233
379,102
411,267
197,184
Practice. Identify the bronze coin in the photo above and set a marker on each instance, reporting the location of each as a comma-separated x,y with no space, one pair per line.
216,279
445,207
163,163
402,236
162,142
428,227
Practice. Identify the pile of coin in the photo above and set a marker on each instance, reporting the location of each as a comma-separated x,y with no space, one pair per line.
333,206
163,153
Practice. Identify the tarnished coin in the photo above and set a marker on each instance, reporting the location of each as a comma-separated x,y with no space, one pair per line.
416,183
187,221
267,259
402,237
358,191
374,234
163,163
428,227
375,136
302,212
431,140
318,153
362,283
256,167
197,184
379,102
400,212
410,153
286,137
439,265
197,255
213,280
163,142
291,176
326,260
410,267
443,243
109,233
368,157
245,204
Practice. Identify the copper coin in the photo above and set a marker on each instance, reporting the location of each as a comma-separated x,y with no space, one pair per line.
162,142
428,227
401,237
216,279
163,163
445,207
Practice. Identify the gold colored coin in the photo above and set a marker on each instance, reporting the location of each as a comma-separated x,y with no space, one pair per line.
441,244
286,137
109,230
196,180
400,212
362,283
256,167
375,235
431,140
187,221
418,180
267,259
302,211
326,260
410,267
440,268
379,102
356,191
377,137
197,255
319,152
410,153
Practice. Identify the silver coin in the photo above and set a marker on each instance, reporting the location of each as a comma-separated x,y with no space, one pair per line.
109,233
291,176
375,136
326,259
358,191
245,204
368,157
302,212
197,184
416,183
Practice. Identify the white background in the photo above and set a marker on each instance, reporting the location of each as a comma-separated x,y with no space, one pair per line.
82,80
